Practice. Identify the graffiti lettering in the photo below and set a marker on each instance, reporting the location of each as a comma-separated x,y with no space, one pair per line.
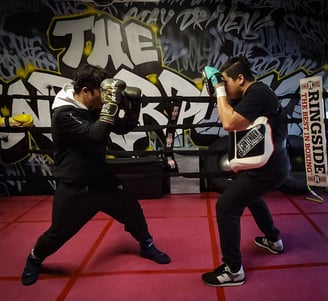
154,16
21,55
292,5
193,17
242,23
41,163
15,170
312,31
276,55
108,42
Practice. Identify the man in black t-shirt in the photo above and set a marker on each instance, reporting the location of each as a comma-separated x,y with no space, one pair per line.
240,100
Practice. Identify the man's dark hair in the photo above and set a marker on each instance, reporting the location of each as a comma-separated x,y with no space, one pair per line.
236,66
89,76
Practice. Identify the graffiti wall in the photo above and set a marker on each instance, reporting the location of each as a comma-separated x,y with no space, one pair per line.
158,46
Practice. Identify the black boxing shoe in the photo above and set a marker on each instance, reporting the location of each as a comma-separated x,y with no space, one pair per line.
152,253
31,271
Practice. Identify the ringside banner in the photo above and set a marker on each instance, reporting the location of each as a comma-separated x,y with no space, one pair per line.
314,133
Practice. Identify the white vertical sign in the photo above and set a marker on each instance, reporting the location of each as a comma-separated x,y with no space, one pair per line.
314,133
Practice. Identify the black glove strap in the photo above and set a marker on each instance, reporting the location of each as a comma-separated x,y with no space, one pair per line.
7,124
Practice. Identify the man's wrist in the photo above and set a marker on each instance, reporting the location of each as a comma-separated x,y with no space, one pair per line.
220,91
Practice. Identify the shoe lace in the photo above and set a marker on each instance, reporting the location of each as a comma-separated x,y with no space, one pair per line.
273,245
265,241
224,273
222,268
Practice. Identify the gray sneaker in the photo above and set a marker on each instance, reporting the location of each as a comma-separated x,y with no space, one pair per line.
222,276
275,247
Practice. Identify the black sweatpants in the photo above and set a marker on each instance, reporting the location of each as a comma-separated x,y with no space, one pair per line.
246,191
74,206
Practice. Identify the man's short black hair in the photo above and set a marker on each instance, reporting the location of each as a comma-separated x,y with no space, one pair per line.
236,66
89,76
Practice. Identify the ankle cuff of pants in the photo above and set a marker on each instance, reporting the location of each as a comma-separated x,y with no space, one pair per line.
35,257
147,243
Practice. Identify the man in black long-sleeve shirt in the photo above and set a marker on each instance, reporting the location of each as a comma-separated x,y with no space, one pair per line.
85,184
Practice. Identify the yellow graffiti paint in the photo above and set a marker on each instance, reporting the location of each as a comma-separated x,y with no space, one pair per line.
5,112
153,78
154,27
199,83
88,48
24,72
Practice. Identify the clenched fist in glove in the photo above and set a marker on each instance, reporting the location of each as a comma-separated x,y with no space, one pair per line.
111,95
211,77
131,104
20,120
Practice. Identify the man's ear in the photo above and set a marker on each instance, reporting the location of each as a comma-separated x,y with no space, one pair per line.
241,79
85,90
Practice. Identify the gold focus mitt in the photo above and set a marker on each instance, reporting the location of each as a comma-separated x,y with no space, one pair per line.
20,120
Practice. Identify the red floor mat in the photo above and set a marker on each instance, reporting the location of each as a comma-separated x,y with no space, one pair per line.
101,262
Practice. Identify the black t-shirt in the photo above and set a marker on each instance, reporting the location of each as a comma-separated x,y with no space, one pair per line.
260,100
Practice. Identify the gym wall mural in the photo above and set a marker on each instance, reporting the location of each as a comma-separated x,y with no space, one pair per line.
160,47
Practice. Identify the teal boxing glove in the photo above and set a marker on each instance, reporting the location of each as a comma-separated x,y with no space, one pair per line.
211,77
